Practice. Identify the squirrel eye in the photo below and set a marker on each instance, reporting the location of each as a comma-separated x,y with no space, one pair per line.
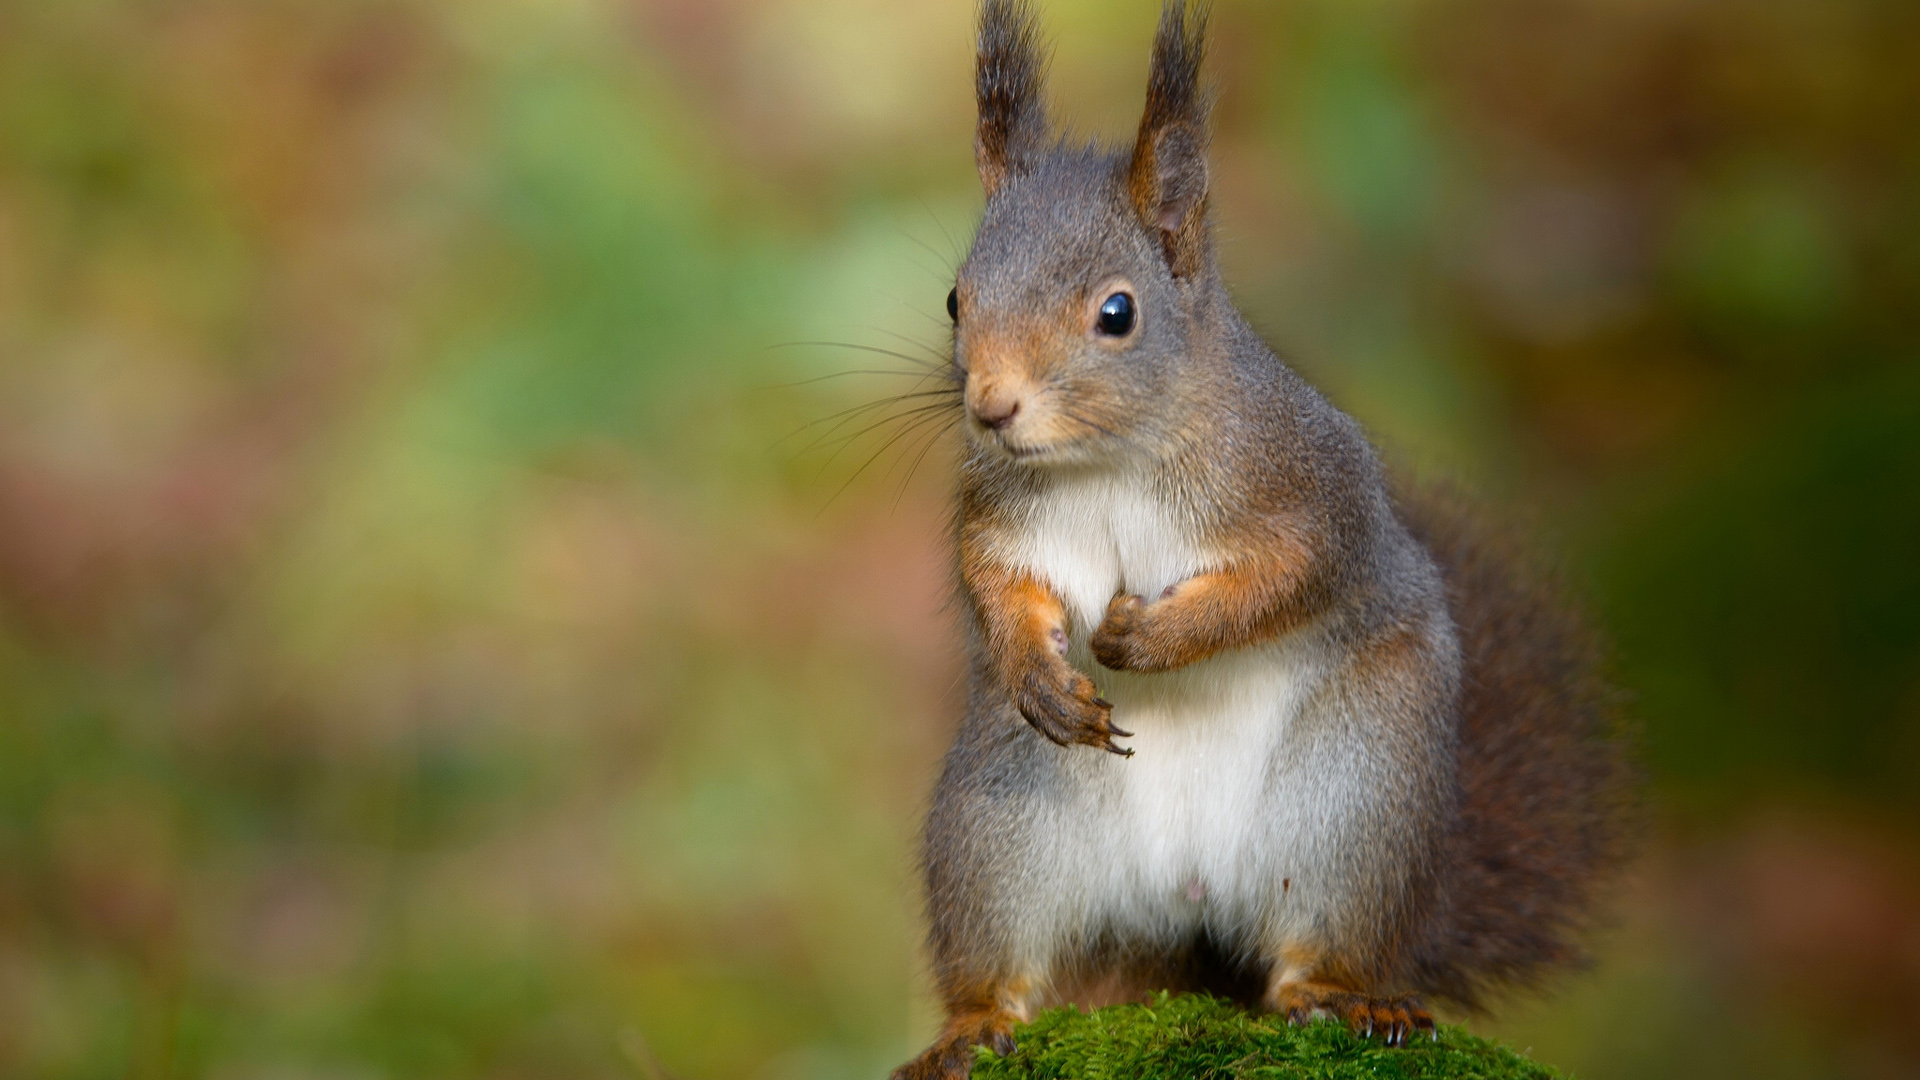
953,304
1116,315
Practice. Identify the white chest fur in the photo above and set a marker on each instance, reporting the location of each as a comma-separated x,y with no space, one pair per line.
1090,536
1191,831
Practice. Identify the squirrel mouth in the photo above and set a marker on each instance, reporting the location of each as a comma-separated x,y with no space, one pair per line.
1024,453
1021,451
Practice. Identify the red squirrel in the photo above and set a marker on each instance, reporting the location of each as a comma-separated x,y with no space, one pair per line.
1243,716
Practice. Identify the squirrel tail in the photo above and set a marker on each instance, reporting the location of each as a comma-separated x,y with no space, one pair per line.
1548,785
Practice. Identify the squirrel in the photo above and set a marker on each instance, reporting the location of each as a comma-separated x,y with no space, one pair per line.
1243,715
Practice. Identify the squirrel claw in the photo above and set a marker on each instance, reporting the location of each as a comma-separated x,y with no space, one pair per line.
1068,711
1394,1019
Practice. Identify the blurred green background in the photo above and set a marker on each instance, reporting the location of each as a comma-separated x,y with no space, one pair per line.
424,654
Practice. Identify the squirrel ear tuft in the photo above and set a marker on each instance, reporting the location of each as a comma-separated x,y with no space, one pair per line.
1007,84
1168,177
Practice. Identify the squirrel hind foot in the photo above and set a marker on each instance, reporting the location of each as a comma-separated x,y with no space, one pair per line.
951,1056
1394,1020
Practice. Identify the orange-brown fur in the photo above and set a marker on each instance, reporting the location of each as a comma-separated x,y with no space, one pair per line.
1267,592
1018,616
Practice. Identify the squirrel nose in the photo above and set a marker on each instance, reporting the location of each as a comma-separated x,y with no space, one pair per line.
997,414
994,399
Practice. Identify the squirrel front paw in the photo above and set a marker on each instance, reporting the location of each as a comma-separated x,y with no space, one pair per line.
1064,705
1126,639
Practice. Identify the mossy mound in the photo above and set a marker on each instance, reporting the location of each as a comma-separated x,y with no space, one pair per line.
1202,1038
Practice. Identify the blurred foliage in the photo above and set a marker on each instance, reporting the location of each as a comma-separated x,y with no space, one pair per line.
421,654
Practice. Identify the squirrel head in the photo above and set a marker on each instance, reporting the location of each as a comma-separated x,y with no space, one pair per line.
1077,309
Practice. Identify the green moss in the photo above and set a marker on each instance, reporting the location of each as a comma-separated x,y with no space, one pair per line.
1202,1038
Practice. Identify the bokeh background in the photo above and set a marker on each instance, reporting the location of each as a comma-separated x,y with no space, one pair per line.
437,638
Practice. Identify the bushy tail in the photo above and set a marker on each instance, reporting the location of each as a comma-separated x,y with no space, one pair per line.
1549,792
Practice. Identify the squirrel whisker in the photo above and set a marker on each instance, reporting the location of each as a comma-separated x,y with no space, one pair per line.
896,437
862,348
847,415
924,447
828,438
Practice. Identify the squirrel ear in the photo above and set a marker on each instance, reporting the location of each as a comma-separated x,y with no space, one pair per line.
1007,81
1168,177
